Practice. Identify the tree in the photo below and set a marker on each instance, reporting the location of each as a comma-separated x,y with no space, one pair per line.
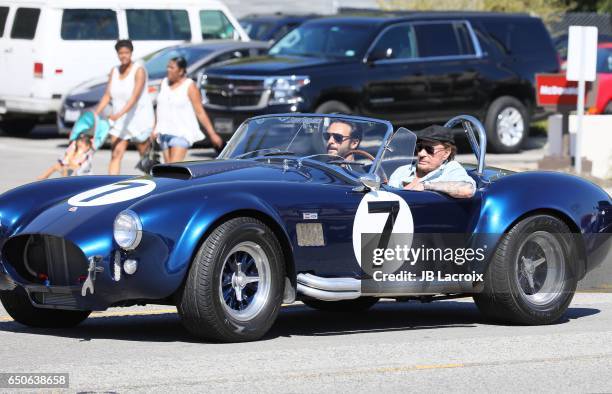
548,10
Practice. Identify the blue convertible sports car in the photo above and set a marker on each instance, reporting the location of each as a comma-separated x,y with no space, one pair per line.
278,218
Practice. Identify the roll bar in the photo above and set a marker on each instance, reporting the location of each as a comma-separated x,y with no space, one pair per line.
480,150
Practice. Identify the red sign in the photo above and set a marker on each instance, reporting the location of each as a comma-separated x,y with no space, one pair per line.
555,90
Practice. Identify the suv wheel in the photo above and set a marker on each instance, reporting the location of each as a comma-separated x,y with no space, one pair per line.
333,107
507,124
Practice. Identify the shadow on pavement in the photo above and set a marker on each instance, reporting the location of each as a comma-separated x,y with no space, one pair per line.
297,320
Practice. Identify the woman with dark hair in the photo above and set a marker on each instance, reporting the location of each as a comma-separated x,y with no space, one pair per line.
179,109
132,116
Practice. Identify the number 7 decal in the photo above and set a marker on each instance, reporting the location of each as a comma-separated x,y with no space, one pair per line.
391,207
398,221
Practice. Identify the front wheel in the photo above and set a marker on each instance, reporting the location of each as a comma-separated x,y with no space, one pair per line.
234,288
531,278
18,127
17,304
333,107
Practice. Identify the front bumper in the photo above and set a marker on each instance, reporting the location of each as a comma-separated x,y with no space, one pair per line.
63,273
11,105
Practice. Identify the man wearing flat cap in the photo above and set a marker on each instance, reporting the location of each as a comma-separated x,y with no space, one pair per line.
436,168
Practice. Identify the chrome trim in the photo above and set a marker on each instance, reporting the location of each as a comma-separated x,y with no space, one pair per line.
263,99
480,150
328,289
477,48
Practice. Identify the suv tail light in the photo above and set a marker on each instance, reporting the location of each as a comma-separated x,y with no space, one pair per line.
38,70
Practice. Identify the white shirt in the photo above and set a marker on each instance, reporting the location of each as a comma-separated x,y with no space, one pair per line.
140,119
175,113
447,172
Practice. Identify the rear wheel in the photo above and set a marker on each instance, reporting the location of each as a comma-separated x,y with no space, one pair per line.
531,278
507,124
356,305
234,289
18,305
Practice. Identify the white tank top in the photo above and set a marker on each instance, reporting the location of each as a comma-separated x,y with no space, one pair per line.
175,114
140,119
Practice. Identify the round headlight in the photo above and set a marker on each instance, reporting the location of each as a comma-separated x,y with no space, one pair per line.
127,230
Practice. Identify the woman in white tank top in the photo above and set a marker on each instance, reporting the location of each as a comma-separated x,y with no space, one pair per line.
179,109
132,118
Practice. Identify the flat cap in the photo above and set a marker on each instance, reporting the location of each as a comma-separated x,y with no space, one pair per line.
436,133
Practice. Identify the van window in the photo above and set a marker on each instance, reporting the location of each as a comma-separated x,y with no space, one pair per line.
25,23
88,24
398,42
437,39
3,15
158,25
215,25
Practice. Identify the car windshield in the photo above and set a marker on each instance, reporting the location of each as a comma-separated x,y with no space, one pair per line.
604,60
257,30
156,65
325,40
336,140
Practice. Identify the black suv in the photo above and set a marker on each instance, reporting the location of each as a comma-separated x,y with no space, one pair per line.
418,69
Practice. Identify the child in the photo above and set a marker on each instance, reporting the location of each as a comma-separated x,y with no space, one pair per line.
77,159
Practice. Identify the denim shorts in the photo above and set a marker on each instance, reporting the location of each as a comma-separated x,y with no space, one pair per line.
172,141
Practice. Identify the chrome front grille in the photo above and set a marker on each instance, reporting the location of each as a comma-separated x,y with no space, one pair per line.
235,92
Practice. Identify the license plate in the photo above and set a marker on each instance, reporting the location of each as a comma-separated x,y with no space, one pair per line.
224,126
71,115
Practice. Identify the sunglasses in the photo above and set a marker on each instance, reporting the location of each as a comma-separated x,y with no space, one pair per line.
338,138
429,149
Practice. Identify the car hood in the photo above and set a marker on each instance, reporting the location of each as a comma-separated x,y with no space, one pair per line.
94,210
267,65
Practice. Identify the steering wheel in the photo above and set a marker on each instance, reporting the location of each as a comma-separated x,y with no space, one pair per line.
359,152
385,180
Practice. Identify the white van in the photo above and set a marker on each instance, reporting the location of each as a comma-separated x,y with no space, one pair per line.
47,47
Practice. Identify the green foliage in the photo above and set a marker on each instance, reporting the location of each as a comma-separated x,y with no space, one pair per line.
548,10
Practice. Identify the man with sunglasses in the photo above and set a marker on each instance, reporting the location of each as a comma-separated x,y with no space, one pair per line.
436,168
342,137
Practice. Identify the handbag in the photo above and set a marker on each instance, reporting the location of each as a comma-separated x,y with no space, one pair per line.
149,159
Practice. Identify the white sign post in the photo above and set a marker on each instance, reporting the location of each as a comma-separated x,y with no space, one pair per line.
581,67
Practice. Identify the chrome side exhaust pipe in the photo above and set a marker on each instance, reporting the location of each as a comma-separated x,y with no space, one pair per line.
328,289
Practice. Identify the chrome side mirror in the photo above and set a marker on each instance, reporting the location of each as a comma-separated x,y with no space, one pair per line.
370,181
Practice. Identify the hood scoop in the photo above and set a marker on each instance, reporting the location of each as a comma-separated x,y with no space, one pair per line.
199,169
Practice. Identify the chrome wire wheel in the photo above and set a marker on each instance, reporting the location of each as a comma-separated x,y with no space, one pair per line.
245,281
540,269
510,126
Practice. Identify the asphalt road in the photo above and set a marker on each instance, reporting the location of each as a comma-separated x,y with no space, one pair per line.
395,347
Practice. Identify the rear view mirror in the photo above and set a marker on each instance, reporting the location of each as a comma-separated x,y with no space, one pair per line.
380,54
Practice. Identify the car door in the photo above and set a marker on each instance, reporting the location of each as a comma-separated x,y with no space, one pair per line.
395,85
453,59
